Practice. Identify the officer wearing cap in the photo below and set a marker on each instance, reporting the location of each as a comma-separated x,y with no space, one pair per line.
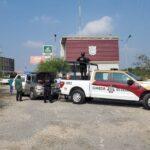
83,65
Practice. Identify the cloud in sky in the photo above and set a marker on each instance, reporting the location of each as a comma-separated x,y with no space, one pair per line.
33,44
44,19
101,26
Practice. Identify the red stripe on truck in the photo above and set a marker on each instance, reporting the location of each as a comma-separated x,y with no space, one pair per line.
62,84
135,88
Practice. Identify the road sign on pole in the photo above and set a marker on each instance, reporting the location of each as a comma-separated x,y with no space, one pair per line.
47,50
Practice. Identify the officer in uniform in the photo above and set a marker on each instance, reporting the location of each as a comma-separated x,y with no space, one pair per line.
83,65
47,91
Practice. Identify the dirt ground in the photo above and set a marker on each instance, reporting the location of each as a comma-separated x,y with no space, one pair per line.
98,125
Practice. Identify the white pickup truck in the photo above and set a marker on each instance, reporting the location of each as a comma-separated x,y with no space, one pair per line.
107,84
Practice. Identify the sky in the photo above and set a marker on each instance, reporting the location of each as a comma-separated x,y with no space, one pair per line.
27,25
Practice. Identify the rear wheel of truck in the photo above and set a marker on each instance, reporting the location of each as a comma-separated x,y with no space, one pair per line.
146,101
77,97
32,95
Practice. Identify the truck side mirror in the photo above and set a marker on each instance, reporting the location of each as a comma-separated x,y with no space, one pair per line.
130,82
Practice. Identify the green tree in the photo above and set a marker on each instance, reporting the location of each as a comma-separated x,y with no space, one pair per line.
142,67
56,65
143,62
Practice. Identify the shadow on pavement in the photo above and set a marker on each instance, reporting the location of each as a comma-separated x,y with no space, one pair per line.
2,104
115,103
122,103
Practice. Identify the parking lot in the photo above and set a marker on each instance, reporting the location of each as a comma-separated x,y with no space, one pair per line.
34,125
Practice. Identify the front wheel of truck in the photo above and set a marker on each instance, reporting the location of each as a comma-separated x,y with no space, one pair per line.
77,96
32,95
146,101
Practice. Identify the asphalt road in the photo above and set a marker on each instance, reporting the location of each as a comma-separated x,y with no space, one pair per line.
98,125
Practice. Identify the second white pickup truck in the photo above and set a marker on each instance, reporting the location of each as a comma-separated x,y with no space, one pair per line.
107,84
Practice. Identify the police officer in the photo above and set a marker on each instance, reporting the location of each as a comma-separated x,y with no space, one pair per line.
83,65
18,86
47,91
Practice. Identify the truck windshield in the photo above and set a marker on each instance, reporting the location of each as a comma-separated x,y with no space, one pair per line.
134,76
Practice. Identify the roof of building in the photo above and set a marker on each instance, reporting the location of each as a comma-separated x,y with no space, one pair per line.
88,38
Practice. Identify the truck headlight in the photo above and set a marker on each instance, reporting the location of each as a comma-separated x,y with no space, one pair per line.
38,87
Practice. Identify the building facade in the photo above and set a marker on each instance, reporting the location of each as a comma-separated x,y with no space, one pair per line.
7,65
103,51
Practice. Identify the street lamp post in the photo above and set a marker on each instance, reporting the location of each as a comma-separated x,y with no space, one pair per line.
55,49
126,49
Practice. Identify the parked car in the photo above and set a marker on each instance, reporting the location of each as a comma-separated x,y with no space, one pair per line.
27,80
4,80
36,88
33,83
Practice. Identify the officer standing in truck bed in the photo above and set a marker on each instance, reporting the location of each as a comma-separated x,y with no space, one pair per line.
83,65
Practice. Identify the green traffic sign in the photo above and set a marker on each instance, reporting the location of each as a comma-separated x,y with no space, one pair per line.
47,49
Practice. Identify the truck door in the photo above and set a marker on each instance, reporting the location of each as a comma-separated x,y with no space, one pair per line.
99,87
120,89
27,84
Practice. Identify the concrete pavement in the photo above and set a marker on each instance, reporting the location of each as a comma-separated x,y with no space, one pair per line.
4,90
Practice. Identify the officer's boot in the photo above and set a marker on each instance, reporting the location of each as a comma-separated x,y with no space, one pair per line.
50,99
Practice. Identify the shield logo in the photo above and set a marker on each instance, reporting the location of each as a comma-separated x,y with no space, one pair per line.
92,50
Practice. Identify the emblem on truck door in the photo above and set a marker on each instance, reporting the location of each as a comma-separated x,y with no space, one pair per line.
111,89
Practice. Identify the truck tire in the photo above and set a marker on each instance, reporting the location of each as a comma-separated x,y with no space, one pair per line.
146,101
77,96
32,95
